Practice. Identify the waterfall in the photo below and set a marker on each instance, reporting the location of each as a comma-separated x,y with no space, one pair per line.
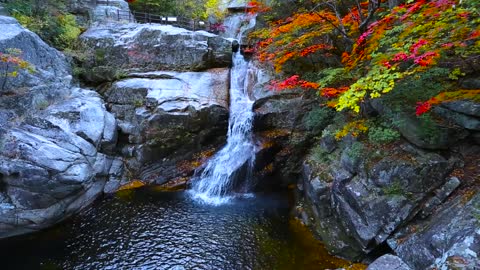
214,185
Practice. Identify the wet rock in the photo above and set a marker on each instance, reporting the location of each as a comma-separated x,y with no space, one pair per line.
258,79
349,161
476,137
388,262
328,143
471,83
235,46
322,216
440,196
50,160
279,123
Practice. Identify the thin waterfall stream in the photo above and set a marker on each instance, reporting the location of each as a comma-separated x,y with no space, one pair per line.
215,183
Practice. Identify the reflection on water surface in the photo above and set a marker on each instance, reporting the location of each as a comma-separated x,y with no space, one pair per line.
146,229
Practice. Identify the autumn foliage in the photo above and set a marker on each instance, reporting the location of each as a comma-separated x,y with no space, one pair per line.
291,83
378,45
11,63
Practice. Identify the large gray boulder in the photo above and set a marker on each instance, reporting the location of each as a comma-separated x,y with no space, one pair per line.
234,5
463,113
388,262
279,111
52,136
50,167
166,115
149,47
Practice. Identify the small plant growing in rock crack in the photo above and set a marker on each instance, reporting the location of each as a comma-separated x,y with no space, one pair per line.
382,135
11,63
476,212
319,154
429,129
394,188
356,150
318,118
42,104
138,103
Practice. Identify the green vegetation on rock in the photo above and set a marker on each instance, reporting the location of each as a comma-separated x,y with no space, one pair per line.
49,19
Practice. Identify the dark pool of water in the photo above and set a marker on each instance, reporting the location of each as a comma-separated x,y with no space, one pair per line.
146,229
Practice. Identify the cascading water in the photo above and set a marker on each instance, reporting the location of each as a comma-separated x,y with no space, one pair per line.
215,183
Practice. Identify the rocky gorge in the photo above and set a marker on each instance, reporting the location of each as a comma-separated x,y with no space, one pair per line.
153,105
63,146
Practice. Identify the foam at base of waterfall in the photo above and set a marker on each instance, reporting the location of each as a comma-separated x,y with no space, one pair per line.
207,198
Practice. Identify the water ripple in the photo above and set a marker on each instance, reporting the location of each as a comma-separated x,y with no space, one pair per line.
150,230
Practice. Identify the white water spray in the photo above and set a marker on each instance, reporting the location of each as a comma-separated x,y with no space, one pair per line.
215,183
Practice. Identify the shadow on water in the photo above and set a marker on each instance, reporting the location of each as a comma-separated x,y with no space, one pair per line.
146,229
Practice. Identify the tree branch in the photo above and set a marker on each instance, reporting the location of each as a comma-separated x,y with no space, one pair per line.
372,8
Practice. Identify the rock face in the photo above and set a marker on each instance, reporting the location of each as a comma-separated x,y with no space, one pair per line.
362,201
167,115
448,238
432,134
148,47
52,136
365,198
